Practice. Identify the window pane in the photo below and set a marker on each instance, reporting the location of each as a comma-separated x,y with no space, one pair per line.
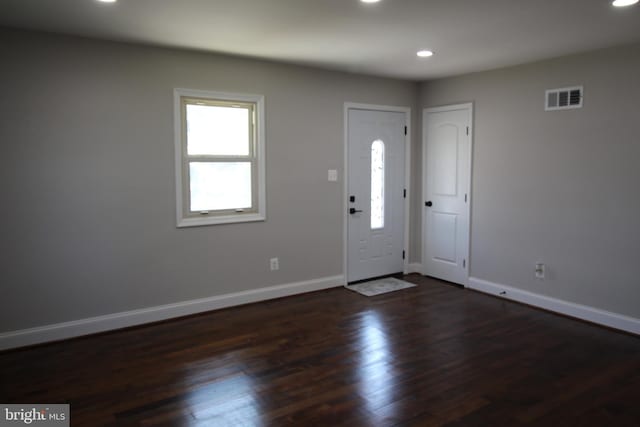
377,184
220,185
216,130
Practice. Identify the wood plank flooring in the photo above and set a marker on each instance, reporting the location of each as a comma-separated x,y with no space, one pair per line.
433,355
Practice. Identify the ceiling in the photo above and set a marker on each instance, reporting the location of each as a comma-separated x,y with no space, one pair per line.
377,39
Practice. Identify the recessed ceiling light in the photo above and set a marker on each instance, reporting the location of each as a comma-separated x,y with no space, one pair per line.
107,1
369,1
623,3
424,53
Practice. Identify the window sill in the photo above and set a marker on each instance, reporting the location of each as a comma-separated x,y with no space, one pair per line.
215,220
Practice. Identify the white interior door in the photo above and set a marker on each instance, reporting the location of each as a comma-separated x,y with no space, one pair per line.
376,171
447,168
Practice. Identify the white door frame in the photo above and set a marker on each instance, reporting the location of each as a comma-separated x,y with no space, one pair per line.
407,178
465,106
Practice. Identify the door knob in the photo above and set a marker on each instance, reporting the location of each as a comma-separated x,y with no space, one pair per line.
354,210
428,204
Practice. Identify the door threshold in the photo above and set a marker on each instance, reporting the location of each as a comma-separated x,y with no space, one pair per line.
398,275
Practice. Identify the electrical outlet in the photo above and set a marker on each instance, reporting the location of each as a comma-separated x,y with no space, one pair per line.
540,271
275,264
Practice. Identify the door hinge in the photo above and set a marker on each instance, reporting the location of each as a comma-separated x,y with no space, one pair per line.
404,193
465,198
405,130
467,130
464,263
403,254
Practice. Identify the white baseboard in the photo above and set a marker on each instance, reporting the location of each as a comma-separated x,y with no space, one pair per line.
413,268
125,319
590,314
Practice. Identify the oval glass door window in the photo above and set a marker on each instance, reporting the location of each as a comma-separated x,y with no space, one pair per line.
377,185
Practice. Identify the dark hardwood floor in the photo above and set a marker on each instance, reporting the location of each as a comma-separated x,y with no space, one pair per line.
433,355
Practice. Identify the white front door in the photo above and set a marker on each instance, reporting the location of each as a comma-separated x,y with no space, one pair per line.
376,171
447,168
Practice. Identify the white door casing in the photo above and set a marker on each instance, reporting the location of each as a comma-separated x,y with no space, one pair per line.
447,136
376,235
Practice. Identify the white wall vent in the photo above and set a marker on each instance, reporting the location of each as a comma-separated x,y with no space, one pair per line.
563,99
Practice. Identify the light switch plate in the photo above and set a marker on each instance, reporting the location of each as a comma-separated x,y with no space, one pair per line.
332,175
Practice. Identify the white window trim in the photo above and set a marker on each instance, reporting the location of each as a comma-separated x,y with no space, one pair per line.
260,215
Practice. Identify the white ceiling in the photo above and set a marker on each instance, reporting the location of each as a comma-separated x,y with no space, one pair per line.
379,39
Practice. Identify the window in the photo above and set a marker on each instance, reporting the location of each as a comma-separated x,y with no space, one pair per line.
219,157
377,185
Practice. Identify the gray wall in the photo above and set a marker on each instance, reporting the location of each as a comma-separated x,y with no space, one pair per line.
88,191
557,187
